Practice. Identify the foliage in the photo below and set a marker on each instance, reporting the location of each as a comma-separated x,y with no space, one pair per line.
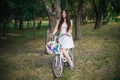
4,9
26,7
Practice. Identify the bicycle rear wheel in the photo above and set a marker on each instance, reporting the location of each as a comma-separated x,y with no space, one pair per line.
57,66
71,53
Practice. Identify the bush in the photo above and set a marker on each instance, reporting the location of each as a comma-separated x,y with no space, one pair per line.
117,19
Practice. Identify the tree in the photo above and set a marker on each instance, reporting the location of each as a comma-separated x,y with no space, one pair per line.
116,6
77,7
98,11
116,9
53,9
64,4
100,8
4,15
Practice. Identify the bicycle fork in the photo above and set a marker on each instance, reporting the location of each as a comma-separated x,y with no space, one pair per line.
58,62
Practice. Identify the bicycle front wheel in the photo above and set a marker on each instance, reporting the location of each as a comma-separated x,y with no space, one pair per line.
57,66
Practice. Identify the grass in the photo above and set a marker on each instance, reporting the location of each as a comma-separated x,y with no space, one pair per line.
96,55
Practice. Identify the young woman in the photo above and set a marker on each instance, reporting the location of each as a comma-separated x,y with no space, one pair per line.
64,25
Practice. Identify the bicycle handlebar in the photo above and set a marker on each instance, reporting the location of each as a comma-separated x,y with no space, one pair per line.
66,35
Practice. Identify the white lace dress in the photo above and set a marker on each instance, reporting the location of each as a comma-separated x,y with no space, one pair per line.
65,41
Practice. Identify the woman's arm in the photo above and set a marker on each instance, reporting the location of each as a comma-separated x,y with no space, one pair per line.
56,28
70,30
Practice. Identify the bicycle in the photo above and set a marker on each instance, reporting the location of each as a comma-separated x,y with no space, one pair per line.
59,59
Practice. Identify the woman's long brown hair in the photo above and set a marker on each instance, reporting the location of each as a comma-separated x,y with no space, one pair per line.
67,21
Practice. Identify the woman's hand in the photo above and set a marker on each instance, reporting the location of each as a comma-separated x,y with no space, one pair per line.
51,36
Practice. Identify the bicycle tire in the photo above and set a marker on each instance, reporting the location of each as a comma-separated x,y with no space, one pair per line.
57,67
71,53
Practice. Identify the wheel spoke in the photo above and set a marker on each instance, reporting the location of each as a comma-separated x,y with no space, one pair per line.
57,66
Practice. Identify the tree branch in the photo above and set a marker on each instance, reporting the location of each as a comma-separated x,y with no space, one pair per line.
49,10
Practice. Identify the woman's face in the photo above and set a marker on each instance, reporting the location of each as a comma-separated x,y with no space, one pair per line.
64,14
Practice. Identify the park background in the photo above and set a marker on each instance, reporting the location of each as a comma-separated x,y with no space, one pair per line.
26,24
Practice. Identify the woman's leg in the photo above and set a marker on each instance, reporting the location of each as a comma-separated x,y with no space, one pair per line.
67,57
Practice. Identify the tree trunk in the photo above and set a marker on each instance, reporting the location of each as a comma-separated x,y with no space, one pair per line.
7,26
21,24
98,20
66,4
15,22
86,19
77,26
53,14
21,20
78,10
52,22
34,36
58,9
39,24
98,13
28,24
4,28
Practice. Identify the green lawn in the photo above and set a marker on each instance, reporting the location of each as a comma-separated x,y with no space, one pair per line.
97,55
